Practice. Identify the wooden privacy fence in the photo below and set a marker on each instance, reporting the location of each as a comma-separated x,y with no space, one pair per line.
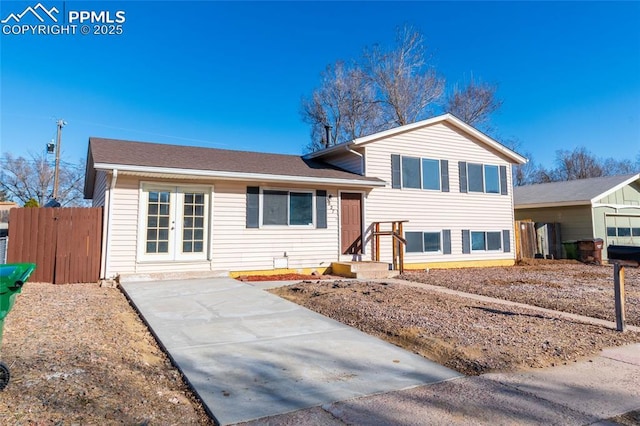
525,236
64,243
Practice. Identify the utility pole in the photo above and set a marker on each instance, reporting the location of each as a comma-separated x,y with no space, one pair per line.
61,124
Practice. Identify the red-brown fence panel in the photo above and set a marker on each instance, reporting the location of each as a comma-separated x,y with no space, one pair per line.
64,243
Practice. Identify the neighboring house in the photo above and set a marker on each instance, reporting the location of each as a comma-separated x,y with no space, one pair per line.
189,209
5,206
605,207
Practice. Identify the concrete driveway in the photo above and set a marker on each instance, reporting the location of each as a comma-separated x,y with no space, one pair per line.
249,354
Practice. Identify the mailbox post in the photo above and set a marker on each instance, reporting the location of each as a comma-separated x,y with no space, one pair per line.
621,256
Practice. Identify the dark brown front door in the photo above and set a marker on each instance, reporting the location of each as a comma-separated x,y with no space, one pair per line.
351,222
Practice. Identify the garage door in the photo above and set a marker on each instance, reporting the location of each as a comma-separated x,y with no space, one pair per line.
623,230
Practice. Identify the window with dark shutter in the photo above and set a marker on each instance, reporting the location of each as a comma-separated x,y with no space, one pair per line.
503,180
321,208
253,206
444,175
395,171
506,240
462,170
466,241
446,241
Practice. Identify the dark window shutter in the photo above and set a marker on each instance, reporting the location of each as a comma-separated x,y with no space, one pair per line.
462,168
466,241
444,175
253,206
503,180
395,171
321,208
446,241
506,240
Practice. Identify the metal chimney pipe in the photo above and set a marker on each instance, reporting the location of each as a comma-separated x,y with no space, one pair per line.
327,130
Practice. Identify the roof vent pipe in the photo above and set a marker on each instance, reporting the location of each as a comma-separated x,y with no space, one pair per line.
327,140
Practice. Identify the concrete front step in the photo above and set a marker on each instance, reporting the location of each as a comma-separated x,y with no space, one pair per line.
367,270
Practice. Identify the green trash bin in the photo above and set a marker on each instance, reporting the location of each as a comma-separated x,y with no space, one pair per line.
571,249
12,278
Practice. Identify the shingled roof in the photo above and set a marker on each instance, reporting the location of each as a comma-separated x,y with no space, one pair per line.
573,192
131,155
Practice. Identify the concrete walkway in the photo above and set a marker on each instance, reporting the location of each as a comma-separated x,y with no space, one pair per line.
249,354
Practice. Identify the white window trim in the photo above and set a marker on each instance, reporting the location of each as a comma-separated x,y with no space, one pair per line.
485,250
312,225
174,255
427,231
402,157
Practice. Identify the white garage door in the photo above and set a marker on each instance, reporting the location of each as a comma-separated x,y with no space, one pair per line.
623,230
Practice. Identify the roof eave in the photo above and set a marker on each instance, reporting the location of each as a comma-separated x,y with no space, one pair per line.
240,176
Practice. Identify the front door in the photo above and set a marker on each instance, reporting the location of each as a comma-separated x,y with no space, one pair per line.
351,222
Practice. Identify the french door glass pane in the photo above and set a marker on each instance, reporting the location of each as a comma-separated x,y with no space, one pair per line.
193,223
158,222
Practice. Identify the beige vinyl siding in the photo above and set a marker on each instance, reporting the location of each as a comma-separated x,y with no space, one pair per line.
233,246
238,248
575,221
99,189
347,161
436,210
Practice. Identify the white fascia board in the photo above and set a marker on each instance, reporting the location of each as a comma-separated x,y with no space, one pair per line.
615,188
242,176
557,204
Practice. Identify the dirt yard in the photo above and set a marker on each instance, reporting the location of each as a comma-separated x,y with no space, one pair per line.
79,354
476,337
568,286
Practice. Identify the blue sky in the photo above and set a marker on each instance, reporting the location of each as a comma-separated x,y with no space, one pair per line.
231,74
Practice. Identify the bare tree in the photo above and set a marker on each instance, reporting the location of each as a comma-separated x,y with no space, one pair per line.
24,179
474,104
383,90
407,85
581,164
345,102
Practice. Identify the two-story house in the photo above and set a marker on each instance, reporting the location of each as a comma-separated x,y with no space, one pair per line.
180,209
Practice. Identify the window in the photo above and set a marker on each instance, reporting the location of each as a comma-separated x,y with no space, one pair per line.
476,179
486,241
420,173
430,174
287,208
611,231
635,232
624,232
423,242
483,178
491,179
410,172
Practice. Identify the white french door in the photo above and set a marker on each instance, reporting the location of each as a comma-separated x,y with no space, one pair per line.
175,223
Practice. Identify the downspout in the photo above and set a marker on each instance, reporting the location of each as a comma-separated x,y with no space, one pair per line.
107,240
